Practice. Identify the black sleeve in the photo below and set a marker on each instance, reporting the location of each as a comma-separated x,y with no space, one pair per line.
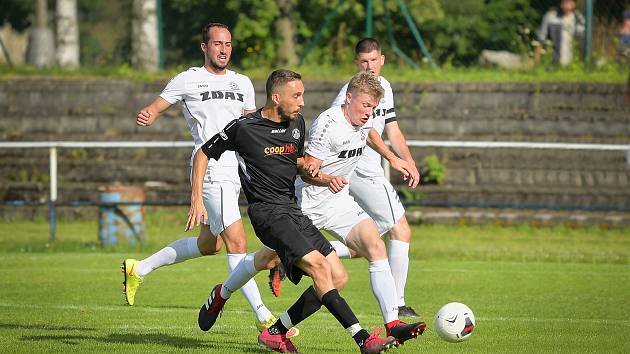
224,140
302,127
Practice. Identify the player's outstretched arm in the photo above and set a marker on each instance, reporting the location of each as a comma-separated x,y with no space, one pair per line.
197,212
313,175
400,147
147,115
375,141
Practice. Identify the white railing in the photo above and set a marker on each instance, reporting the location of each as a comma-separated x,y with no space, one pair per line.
54,145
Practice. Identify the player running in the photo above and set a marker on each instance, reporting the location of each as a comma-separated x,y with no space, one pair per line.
211,96
337,142
368,185
269,143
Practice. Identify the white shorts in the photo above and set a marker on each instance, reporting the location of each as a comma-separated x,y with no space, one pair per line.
338,216
220,198
378,198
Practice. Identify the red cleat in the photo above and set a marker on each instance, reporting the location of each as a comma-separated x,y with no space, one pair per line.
276,276
276,342
375,344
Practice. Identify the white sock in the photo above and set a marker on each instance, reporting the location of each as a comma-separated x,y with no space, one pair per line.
249,289
342,250
399,263
240,275
178,251
384,289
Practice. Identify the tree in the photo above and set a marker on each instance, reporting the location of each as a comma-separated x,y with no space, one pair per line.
67,34
41,42
285,50
144,35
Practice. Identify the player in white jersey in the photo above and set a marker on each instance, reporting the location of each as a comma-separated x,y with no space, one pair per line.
211,96
337,140
368,185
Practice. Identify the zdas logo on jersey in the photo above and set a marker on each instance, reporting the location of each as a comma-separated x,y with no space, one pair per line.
280,150
222,95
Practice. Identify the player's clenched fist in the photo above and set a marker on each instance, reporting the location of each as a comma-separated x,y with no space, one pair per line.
337,183
143,118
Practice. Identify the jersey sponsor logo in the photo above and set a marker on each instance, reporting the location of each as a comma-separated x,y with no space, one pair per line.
296,133
223,135
280,150
202,85
346,154
222,95
233,85
278,131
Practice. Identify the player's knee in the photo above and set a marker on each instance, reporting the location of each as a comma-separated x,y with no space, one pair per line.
235,244
319,268
401,231
340,278
209,245
376,249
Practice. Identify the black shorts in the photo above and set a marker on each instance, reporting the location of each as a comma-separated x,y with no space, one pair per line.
286,230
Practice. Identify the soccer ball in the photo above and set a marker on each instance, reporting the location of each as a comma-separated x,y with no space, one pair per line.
454,322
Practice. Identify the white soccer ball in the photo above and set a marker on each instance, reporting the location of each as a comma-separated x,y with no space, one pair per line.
455,322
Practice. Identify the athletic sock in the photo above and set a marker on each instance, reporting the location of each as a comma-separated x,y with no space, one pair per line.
399,263
342,250
338,307
306,305
249,289
176,252
384,289
240,275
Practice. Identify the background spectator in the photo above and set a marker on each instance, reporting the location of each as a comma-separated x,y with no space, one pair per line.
560,26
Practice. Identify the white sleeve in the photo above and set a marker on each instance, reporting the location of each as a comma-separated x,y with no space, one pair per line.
318,139
250,95
390,112
175,89
341,96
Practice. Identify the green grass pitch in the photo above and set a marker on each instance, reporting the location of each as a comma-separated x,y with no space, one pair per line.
534,290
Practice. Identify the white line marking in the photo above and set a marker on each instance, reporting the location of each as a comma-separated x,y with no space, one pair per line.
240,312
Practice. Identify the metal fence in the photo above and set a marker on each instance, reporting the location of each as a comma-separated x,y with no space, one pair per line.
53,146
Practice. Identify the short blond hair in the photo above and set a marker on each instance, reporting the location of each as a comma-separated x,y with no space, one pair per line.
365,82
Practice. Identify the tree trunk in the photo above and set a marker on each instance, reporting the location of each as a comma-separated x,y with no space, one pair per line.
285,52
67,34
41,42
144,35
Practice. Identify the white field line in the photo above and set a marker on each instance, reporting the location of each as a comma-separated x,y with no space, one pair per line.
606,321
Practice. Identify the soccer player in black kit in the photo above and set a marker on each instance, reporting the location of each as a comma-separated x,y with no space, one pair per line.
269,144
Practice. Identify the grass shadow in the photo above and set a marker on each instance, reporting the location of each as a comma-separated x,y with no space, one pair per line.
148,338
43,326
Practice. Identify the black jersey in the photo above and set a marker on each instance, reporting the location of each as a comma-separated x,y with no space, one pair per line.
267,153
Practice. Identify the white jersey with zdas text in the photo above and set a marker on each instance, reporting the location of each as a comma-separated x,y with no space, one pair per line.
208,103
370,162
339,145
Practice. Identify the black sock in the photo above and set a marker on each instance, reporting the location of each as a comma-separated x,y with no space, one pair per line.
306,305
361,336
278,328
339,308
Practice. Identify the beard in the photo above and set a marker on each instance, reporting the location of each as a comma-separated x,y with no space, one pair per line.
286,115
215,65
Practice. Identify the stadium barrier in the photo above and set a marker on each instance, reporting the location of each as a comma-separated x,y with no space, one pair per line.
52,146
